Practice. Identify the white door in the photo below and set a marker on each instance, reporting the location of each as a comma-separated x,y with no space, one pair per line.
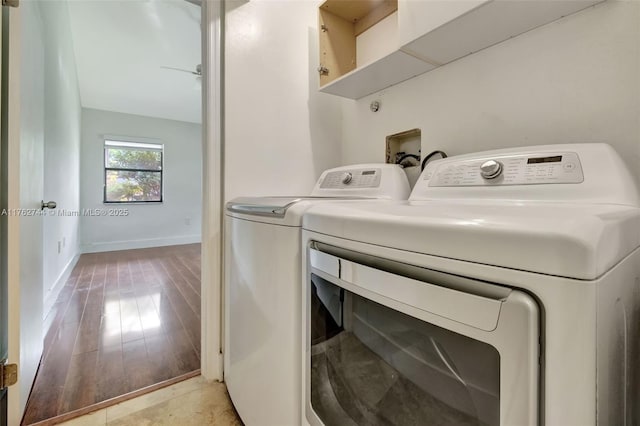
23,151
3,251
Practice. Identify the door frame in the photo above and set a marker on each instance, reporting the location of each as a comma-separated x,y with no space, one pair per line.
212,309
11,47
212,19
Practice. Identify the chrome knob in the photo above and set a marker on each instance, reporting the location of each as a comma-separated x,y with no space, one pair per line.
346,178
48,205
491,169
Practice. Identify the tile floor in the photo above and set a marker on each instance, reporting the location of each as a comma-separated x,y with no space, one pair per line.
193,402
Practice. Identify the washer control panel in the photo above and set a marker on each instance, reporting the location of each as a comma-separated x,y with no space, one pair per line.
523,169
357,178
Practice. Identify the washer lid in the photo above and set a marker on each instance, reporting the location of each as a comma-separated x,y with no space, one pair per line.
571,240
272,206
262,206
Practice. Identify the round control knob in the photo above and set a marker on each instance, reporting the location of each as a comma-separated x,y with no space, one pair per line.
491,169
346,178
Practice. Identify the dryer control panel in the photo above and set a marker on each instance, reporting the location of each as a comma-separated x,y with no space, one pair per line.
370,180
577,173
549,168
356,178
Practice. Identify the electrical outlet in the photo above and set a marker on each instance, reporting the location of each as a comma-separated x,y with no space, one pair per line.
187,221
59,247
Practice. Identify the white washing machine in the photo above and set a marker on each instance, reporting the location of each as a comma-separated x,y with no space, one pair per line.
262,288
506,291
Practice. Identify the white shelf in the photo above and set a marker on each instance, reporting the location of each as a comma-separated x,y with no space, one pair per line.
433,33
392,69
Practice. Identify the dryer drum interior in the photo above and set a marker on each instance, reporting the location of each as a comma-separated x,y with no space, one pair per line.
374,365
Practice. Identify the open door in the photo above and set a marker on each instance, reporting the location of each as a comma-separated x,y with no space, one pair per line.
3,231
4,353
22,168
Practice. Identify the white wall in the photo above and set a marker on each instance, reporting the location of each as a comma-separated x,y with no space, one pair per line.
280,133
574,80
147,225
61,148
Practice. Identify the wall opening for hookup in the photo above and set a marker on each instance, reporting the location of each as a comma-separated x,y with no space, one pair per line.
404,148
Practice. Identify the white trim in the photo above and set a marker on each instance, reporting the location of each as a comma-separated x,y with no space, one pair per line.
212,189
134,145
134,139
99,247
52,295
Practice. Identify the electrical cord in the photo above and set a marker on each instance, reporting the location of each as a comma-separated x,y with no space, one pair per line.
428,157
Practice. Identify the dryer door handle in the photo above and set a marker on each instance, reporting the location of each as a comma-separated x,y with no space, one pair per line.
470,309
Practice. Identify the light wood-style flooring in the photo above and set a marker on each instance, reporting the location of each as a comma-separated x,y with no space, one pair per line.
124,321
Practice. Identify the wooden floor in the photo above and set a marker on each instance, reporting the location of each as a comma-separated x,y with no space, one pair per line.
124,320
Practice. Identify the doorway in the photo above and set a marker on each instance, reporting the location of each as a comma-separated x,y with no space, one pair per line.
95,73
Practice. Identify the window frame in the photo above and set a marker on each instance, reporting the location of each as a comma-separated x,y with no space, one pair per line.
137,144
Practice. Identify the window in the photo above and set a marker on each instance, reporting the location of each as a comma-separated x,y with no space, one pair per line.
132,172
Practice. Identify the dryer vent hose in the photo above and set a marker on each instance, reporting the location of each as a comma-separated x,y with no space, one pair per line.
430,156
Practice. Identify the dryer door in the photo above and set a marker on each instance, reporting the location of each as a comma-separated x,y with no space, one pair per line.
384,348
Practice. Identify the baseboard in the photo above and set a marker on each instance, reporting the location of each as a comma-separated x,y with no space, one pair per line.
57,287
138,244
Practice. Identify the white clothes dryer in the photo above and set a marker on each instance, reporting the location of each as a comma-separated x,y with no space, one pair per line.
262,288
506,291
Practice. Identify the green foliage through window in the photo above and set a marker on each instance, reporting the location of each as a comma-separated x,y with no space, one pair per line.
133,172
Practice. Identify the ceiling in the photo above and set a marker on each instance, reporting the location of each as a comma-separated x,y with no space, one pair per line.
121,47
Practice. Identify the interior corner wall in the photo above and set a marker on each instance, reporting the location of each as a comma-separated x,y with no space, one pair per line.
574,80
177,220
61,149
280,132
